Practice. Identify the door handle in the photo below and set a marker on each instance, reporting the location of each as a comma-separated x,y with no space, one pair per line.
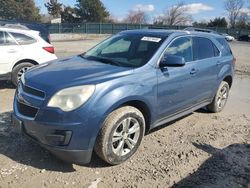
193,71
218,63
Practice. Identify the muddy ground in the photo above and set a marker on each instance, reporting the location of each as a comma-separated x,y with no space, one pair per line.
199,150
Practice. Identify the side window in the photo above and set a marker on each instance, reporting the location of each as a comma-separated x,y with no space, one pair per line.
9,40
23,39
5,39
118,46
203,48
181,47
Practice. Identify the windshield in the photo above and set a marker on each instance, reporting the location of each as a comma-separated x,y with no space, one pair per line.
126,50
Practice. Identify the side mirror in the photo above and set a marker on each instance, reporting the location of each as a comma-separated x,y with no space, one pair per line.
172,61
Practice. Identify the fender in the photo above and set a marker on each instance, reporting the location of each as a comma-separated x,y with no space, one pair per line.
226,70
121,94
24,61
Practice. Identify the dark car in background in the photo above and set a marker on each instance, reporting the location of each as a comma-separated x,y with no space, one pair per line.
244,38
43,30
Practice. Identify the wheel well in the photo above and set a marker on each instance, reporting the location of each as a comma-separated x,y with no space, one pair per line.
25,61
144,110
229,80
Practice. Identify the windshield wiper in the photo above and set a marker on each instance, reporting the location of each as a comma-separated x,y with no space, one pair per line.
104,60
82,55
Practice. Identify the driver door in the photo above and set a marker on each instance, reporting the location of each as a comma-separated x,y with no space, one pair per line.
176,85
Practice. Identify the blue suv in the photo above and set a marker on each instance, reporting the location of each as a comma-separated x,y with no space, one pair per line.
106,99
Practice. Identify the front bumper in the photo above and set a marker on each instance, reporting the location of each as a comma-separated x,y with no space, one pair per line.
71,156
63,152
69,135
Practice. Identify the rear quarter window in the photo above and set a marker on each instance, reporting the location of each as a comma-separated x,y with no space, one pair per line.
23,39
216,51
226,48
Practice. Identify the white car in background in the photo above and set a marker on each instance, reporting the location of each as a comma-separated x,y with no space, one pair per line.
228,37
21,49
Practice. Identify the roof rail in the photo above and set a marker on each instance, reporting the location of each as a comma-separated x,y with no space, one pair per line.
204,30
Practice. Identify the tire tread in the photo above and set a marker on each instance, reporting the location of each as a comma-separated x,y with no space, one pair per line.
103,135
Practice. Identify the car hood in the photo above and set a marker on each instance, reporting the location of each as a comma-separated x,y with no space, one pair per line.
72,71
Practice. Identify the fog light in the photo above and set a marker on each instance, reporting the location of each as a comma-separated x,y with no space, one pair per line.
59,138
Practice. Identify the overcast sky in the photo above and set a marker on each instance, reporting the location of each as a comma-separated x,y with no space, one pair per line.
199,9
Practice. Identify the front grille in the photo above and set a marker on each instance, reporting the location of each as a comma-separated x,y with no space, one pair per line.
33,91
26,110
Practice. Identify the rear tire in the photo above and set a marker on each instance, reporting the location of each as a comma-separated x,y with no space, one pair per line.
220,99
18,71
120,135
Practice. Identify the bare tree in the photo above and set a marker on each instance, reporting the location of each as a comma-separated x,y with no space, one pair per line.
175,15
243,21
136,17
233,7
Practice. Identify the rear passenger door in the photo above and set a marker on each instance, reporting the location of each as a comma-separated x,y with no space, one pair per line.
207,60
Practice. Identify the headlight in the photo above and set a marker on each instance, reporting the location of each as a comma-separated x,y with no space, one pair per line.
71,98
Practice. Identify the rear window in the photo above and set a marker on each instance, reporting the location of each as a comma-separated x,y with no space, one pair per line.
23,39
226,48
204,48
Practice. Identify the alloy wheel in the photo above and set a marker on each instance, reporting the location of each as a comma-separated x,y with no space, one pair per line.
21,72
222,97
125,136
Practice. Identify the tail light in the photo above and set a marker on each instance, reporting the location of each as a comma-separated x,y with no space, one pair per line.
49,49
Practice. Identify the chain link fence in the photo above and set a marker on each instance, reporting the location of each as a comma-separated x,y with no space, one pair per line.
109,28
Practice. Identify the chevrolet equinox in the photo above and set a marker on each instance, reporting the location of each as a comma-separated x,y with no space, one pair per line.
106,99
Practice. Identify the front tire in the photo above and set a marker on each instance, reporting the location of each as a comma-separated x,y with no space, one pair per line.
121,135
220,99
18,71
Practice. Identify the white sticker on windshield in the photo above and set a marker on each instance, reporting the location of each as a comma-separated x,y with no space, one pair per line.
151,39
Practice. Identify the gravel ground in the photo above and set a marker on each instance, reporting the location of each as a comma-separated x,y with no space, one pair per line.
199,150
